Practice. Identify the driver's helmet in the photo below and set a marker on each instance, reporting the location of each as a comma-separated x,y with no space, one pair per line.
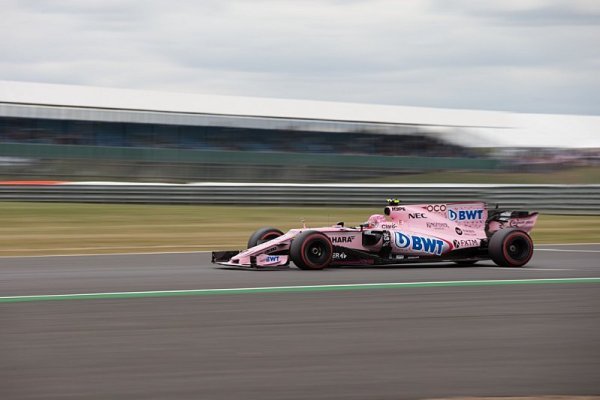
375,220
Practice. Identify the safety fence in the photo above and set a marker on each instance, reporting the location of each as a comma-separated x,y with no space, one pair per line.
558,199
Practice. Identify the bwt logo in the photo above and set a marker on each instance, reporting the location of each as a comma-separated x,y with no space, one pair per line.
419,243
272,259
465,215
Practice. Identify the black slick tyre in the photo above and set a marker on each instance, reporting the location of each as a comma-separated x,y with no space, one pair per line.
510,248
311,250
263,235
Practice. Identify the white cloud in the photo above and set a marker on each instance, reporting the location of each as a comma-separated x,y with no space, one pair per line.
525,55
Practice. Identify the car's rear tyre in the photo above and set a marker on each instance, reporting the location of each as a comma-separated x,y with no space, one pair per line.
263,235
510,248
311,250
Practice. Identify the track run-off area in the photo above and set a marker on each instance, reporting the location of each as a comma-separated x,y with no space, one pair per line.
175,326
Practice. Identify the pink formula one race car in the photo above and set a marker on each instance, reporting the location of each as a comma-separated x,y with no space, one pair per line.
463,233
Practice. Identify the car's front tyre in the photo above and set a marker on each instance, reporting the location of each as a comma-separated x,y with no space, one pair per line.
263,235
311,250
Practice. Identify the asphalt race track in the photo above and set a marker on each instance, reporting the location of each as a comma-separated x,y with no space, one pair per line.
532,337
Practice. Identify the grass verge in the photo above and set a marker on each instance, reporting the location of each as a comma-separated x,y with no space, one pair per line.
68,228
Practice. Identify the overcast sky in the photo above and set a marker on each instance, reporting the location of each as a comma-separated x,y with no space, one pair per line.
517,55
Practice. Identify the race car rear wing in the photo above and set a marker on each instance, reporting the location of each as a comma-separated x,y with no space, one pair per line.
502,219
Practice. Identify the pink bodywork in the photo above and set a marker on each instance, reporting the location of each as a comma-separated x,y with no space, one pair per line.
415,230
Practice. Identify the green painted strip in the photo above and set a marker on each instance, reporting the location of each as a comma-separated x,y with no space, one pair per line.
291,289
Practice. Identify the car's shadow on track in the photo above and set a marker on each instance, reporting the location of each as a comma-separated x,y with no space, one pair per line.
406,266
412,266
418,266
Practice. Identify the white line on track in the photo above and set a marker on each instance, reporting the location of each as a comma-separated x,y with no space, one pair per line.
569,244
170,246
529,269
569,251
110,254
209,251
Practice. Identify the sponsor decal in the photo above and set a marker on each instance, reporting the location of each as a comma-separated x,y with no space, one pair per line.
389,226
458,231
465,215
386,240
339,256
466,243
342,239
469,243
272,259
435,207
398,209
518,223
419,243
437,225
271,249
416,216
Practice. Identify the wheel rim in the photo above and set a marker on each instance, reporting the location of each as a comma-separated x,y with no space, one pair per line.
315,252
518,248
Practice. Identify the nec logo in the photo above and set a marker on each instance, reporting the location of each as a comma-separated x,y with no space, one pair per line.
465,215
416,216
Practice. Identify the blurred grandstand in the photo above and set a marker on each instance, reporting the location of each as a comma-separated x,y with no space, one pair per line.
73,132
